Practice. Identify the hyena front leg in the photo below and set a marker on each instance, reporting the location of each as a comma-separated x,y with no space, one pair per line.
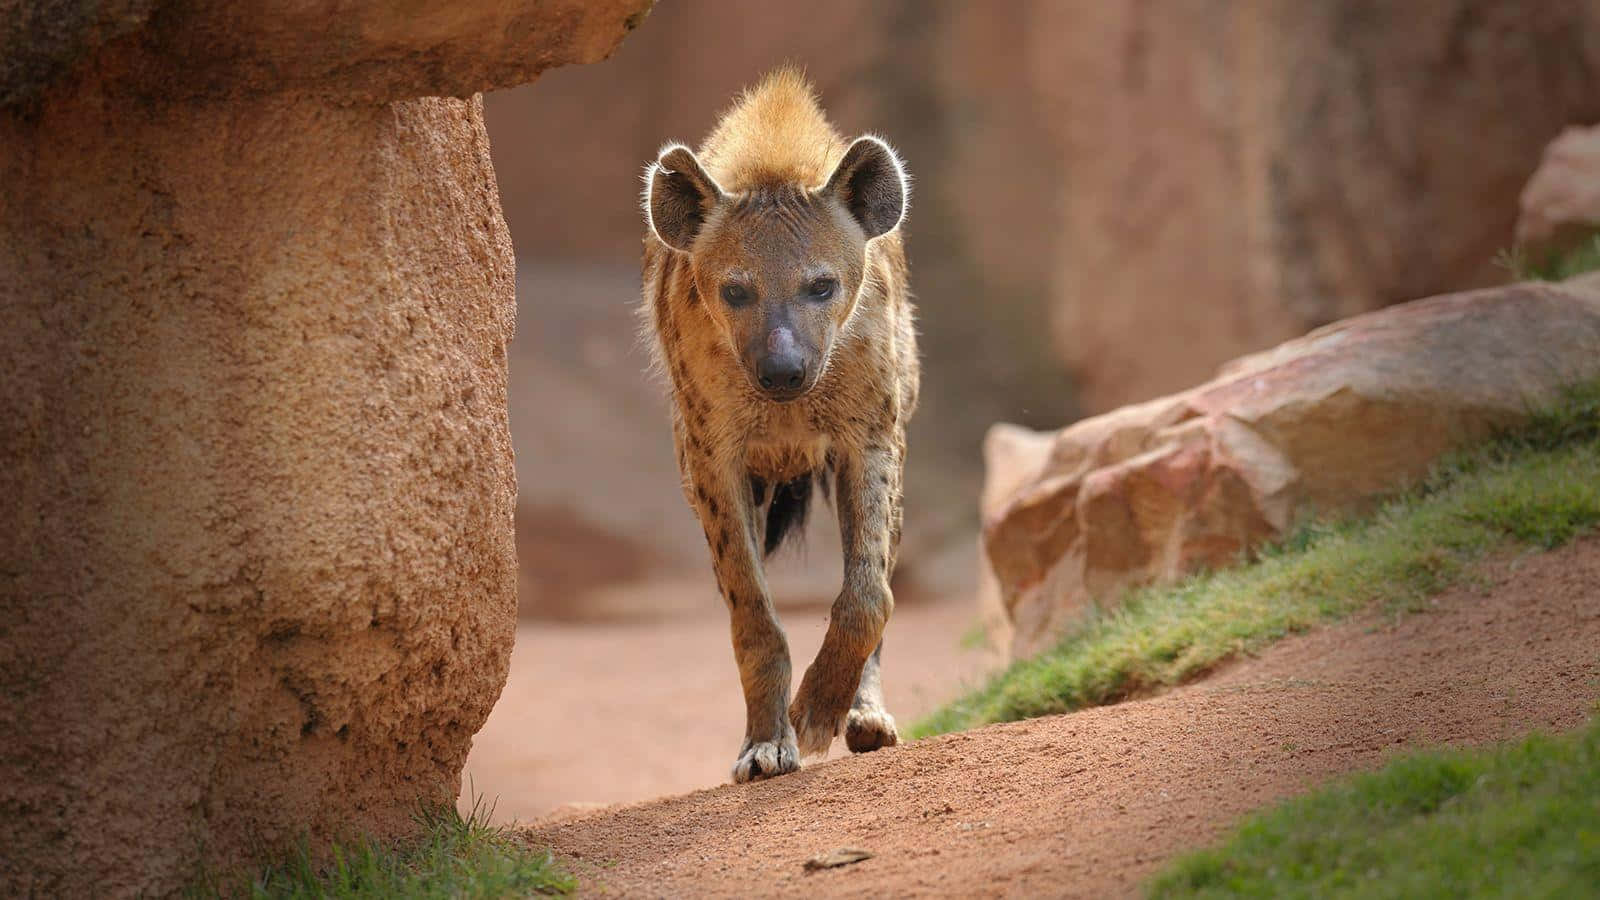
869,496
727,512
869,726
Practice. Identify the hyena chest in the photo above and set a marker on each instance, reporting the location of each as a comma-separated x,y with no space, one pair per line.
784,447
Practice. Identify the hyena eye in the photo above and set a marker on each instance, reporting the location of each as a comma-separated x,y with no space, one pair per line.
822,289
735,294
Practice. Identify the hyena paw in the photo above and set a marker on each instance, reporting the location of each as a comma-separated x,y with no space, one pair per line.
817,720
766,759
869,729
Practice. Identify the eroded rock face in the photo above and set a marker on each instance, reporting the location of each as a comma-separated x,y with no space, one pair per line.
260,575
257,573
1322,424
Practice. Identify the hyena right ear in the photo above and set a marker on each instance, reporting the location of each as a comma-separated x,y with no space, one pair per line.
872,185
678,195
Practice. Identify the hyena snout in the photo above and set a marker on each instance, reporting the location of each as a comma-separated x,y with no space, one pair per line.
782,377
783,368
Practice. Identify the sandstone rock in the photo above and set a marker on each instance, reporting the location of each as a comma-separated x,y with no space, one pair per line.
369,51
40,40
1562,200
257,575
1322,424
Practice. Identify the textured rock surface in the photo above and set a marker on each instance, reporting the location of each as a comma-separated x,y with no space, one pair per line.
369,51
1321,424
1239,172
1561,202
257,574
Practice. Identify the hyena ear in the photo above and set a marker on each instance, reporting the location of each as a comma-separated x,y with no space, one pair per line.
678,196
872,185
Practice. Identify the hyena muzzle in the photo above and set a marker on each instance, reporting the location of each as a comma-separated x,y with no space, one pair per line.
775,287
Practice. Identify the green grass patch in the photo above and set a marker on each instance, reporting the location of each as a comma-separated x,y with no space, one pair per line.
1537,486
1522,820
454,856
1582,256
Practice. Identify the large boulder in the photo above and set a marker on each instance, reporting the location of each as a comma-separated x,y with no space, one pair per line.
1319,425
257,576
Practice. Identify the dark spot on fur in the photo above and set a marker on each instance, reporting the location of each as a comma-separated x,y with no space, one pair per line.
712,506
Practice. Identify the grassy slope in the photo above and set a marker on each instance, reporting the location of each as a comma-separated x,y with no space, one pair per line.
1539,486
1519,821
454,857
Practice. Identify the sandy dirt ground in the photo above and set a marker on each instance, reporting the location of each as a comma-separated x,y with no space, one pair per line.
1087,804
615,711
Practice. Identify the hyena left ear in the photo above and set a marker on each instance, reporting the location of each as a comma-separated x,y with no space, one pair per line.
872,185
678,196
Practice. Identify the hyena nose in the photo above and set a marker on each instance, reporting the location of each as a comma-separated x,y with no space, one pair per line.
781,373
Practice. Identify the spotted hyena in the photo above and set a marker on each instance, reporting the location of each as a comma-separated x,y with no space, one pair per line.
775,288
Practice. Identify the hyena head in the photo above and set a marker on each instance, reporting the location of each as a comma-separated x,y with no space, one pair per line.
779,265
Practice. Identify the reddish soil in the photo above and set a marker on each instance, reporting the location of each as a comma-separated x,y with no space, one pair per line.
652,668
1089,804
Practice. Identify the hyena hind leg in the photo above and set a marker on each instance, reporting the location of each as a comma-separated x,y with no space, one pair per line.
868,725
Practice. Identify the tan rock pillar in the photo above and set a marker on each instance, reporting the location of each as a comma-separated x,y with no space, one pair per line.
257,577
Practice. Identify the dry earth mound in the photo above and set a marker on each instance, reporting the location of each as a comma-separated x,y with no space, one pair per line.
1089,804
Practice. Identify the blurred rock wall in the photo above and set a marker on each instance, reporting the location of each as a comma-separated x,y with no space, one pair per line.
1239,172
1111,199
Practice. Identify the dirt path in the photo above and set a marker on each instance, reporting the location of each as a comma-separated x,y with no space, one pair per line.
1089,804
669,689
